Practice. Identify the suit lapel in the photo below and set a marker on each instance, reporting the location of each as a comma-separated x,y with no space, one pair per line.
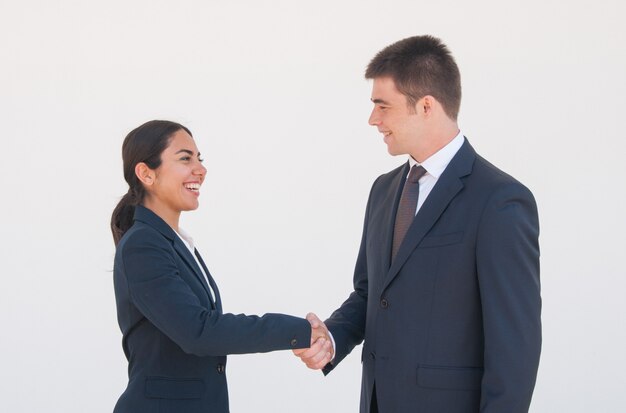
446,188
389,214
218,299
185,254
146,215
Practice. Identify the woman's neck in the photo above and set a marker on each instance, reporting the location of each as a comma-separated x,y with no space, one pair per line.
170,217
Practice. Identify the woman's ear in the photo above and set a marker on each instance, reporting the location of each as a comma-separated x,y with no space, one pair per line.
144,174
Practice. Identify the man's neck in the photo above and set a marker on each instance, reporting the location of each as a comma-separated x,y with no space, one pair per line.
436,140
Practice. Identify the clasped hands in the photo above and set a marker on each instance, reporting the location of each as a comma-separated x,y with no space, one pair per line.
321,351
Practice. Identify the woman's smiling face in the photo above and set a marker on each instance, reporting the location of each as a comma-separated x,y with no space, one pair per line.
175,185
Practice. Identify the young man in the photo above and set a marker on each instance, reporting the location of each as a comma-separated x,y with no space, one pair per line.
446,286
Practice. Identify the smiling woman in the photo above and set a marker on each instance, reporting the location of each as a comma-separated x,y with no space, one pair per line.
169,309
175,185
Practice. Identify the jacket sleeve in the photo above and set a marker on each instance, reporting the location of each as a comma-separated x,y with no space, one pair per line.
347,323
507,257
163,297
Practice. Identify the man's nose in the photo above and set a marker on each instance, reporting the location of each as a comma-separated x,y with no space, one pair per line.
373,120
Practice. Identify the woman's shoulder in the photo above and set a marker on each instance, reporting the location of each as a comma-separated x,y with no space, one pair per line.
142,235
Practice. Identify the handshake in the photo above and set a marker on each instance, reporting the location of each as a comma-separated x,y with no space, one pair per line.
321,351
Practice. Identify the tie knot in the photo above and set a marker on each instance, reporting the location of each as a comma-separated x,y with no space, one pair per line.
416,173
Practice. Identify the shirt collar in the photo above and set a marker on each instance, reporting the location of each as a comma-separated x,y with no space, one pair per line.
437,162
186,238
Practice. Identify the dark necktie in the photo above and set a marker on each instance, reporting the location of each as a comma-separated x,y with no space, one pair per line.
407,207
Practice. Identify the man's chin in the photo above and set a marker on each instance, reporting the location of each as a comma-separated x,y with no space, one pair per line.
393,151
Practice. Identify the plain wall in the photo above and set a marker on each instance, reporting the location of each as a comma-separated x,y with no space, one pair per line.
275,96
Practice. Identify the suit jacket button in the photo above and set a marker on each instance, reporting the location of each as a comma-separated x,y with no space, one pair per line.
384,303
294,342
220,368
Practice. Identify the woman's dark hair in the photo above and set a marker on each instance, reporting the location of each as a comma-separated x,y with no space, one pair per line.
143,144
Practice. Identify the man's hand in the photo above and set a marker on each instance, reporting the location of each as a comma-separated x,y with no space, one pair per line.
321,350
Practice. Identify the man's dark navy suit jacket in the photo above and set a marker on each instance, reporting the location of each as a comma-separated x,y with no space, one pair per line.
453,324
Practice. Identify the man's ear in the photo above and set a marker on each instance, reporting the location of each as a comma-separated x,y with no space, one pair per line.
144,174
425,105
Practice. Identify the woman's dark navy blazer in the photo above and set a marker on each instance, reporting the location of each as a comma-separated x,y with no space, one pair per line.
175,335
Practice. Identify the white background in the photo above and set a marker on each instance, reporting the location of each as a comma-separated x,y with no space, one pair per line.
275,96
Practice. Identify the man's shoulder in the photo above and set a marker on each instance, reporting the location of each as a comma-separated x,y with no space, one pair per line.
493,179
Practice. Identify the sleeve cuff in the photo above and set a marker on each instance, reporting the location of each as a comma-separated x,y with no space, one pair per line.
332,340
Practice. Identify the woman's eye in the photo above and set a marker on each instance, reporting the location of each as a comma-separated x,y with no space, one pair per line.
201,159
185,158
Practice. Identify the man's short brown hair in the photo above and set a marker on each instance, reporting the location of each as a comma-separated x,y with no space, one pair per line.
420,66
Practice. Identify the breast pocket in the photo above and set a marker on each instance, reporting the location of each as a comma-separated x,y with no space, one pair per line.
441,240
